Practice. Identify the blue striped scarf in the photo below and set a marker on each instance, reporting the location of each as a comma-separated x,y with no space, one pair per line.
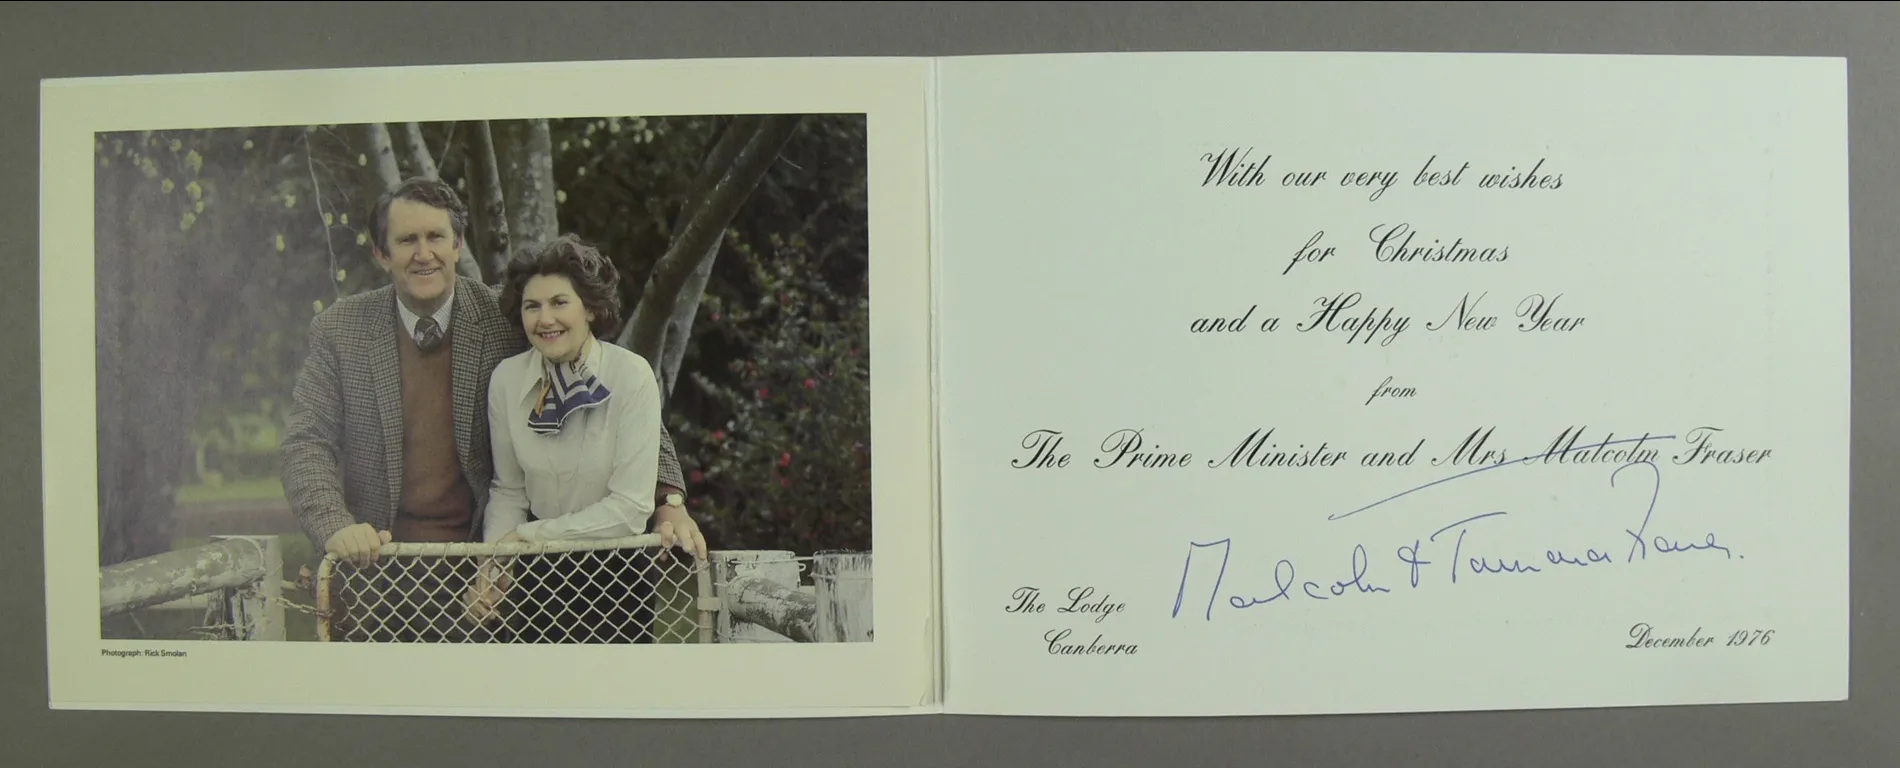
566,388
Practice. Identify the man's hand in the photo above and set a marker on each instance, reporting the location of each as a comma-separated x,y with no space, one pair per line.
676,526
358,543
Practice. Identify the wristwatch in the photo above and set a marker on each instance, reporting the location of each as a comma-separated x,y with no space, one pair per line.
675,500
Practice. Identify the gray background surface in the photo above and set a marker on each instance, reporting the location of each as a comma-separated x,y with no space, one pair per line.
60,40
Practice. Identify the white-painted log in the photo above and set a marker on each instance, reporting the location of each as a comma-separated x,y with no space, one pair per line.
162,578
844,597
729,566
261,617
761,602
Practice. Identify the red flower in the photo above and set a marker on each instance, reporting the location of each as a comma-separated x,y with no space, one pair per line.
695,477
718,435
785,460
811,384
764,393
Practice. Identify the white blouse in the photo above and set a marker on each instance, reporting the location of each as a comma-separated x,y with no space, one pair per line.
595,478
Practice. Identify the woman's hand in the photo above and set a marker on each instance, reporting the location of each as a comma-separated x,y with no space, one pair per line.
482,601
676,526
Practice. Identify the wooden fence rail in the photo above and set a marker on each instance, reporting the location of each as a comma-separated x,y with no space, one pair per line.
245,573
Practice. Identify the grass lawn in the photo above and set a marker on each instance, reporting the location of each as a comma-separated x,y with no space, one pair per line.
260,490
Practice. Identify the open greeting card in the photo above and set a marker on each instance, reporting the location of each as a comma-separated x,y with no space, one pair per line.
1102,385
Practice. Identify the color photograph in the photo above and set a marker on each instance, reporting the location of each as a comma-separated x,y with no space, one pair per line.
559,380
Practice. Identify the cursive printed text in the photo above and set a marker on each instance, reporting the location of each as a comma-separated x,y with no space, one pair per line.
1085,600
1061,644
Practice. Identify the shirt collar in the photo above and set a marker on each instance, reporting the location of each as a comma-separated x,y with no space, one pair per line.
536,374
441,315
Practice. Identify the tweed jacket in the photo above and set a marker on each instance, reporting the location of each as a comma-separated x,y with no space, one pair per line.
342,448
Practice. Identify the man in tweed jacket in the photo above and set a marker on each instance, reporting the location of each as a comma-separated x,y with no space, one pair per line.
352,428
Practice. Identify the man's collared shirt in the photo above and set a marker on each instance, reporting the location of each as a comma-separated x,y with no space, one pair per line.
441,316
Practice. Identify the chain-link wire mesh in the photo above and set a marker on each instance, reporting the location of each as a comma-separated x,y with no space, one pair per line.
625,590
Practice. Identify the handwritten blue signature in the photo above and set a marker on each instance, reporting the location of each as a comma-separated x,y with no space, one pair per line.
1287,585
1526,460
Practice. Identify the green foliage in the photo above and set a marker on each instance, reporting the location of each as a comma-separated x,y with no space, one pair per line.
789,465
622,182
803,236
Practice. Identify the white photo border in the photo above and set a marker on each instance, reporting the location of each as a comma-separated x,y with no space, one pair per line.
896,673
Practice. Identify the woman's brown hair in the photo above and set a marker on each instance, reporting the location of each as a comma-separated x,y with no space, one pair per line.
595,280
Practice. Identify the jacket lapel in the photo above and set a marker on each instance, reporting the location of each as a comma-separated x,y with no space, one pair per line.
468,343
386,361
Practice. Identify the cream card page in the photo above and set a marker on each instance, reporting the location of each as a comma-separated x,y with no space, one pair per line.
1329,384
1162,384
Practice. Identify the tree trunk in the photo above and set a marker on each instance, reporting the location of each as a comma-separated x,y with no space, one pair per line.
114,291
486,171
540,212
451,152
419,157
380,179
150,365
524,150
725,183
382,156
679,327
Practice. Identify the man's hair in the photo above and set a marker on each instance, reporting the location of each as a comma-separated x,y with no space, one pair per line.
595,280
435,193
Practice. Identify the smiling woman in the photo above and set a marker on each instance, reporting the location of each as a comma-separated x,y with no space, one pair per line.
565,296
554,317
575,424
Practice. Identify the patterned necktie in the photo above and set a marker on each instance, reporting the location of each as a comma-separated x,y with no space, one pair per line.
428,334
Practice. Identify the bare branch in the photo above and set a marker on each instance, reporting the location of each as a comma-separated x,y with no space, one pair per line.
697,242
316,194
448,153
